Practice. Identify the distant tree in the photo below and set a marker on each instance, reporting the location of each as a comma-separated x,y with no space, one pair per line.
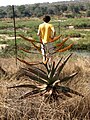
21,10
88,6
9,11
27,13
88,13
63,7
37,12
2,13
74,9
82,7
50,10
40,11
44,10
57,9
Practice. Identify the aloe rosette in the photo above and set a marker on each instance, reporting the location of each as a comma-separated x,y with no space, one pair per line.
49,81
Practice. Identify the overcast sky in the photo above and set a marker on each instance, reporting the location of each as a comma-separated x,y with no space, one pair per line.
22,2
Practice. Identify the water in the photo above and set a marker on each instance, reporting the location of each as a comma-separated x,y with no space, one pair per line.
82,53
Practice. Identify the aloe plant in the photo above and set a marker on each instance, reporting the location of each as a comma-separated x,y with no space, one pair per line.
49,81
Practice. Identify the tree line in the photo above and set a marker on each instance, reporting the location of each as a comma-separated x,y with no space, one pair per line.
64,9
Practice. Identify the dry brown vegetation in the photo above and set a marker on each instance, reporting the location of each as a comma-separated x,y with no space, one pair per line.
33,108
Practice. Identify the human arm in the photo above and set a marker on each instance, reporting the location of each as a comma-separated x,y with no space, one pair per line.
38,34
53,32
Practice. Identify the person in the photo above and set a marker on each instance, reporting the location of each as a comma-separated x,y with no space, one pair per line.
46,32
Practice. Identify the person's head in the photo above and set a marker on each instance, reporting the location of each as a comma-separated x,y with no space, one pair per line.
46,18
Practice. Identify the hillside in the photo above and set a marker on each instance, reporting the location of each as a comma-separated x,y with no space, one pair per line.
76,8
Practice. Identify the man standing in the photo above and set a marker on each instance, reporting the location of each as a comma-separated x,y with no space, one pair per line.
46,32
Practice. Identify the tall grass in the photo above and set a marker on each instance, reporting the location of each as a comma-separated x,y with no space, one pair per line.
75,108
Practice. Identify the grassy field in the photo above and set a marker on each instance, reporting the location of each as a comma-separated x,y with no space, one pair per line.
79,32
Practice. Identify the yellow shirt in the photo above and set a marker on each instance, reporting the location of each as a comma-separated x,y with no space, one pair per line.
46,31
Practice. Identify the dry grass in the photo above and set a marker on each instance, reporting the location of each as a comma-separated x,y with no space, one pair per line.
75,108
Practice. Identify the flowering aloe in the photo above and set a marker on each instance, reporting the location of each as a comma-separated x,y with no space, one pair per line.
57,47
49,81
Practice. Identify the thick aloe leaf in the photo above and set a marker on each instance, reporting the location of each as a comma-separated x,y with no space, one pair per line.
36,78
52,70
62,65
44,72
40,70
54,82
64,89
34,92
31,93
58,64
37,72
32,76
47,68
25,86
68,77
67,94
75,92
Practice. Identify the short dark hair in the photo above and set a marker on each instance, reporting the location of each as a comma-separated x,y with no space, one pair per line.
46,18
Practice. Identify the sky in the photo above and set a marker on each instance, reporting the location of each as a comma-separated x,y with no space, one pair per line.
23,2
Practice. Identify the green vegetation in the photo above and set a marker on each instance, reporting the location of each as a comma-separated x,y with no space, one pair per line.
68,9
64,15
80,36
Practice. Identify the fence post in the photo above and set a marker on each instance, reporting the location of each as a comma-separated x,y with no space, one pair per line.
14,32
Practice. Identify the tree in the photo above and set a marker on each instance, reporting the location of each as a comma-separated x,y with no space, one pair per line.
57,9
2,13
74,9
88,13
50,10
64,7
21,10
9,12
